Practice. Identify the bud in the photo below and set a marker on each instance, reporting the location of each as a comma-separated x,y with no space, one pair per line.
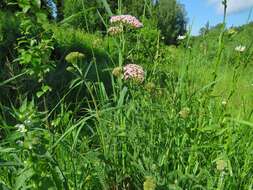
117,71
150,87
74,56
149,183
224,102
221,165
184,113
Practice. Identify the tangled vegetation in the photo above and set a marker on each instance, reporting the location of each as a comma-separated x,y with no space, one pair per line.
91,100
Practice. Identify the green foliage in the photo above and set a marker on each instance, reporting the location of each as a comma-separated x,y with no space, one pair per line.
83,14
66,122
8,34
171,20
169,16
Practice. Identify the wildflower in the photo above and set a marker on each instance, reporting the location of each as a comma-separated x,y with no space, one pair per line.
221,165
117,71
126,20
96,43
114,30
133,71
181,37
184,113
149,183
28,122
150,87
232,31
21,128
224,102
19,142
73,56
240,48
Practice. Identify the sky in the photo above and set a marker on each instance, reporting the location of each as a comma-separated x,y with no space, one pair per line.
199,12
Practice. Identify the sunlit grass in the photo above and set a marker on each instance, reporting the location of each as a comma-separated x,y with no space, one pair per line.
179,127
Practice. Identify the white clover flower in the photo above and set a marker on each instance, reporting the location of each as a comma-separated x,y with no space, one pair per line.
181,37
127,20
21,128
240,48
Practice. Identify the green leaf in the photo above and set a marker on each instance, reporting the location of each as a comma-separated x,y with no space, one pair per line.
39,94
6,150
122,96
25,175
41,17
46,88
107,7
37,3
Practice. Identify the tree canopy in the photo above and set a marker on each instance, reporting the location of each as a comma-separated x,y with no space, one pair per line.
169,15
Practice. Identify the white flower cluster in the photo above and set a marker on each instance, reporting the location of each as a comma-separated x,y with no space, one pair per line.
240,48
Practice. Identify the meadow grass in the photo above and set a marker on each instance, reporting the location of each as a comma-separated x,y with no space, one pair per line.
182,128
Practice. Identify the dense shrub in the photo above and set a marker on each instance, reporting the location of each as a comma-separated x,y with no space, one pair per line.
8,34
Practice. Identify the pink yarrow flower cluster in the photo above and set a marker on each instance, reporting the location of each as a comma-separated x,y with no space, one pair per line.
114,30
127,20
134,72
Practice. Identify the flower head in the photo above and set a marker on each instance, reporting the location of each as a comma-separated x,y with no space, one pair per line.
134,72
231,31
224,102
19,142
240,48
221,165
150,87
181,37
114,30
73,56
184,113
149,183
126,20
21,128
117,71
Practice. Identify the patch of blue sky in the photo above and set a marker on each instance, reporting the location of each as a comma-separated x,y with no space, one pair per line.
199,12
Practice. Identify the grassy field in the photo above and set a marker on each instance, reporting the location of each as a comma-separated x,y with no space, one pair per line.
80,125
